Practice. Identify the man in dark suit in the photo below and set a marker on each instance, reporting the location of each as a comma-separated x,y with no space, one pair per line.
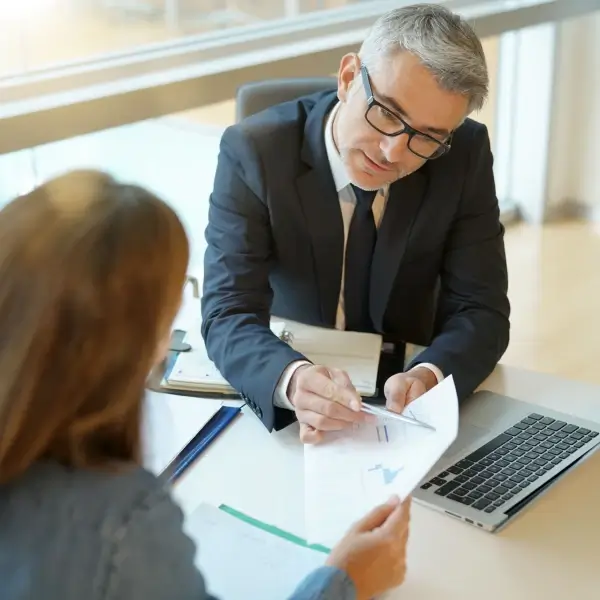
368,208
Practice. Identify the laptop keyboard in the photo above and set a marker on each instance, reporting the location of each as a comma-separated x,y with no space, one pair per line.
511,462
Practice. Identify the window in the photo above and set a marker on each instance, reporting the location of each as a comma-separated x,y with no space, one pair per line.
173,158
72,110
42,33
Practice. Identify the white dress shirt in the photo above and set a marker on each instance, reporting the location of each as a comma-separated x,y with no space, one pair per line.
347,204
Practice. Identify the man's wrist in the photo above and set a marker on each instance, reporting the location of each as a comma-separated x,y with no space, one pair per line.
426,375
293,384
281,397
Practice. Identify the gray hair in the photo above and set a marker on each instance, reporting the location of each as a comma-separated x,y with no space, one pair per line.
443,41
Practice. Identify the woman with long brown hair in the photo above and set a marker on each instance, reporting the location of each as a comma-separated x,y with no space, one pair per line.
91,276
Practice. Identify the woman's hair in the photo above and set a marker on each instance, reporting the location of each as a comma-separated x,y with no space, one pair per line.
91,277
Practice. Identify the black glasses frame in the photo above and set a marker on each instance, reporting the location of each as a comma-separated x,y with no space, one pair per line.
443,147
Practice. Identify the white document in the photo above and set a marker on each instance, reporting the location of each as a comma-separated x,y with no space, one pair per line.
169,423
350,472
240,561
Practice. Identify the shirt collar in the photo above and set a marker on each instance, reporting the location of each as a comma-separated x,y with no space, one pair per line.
336,164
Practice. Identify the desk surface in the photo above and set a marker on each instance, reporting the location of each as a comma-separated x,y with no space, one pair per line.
549,552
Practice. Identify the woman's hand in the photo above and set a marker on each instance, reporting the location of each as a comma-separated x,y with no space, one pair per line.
373,552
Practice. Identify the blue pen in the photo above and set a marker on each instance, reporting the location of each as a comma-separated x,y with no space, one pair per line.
198,444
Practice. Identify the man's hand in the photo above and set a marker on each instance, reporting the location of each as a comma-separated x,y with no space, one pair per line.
324,400
401,389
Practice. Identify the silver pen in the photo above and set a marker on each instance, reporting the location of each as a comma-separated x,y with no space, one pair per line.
383,412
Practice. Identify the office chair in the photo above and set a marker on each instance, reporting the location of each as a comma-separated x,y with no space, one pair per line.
256,96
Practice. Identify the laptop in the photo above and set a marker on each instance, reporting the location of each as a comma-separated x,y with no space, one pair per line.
507,453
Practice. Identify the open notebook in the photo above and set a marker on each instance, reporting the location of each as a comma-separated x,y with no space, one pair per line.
355,353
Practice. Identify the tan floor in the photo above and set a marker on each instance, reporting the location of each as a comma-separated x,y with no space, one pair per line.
555,293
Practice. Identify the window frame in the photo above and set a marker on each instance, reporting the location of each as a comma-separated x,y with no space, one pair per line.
81,97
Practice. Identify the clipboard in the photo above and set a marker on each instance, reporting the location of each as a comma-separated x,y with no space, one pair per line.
176,347
189,368
157,376
357,353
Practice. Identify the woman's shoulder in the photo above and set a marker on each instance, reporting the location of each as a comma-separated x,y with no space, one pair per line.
69,492
115,525
125,476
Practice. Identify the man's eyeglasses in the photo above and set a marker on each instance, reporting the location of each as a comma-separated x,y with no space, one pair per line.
388,123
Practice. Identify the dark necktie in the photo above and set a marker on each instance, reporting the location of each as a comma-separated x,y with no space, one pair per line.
362,236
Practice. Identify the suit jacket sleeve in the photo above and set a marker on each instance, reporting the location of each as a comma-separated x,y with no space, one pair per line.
472,321
237,296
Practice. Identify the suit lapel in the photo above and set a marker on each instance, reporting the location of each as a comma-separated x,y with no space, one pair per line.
404,200
321,207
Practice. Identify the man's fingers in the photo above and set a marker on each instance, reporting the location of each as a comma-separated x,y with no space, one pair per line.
309,435
325,400
378,516
341,378
396,402
327,408
395,390
323,385
416,389
321,422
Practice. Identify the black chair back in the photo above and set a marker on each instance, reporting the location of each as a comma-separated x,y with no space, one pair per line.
253,97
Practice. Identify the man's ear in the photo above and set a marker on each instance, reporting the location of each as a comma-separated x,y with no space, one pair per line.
349,67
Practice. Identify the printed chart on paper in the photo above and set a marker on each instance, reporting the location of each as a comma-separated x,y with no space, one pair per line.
352,471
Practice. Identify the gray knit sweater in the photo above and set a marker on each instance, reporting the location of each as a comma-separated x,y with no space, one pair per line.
80,535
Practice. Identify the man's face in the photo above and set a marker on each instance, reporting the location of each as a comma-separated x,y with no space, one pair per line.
404,86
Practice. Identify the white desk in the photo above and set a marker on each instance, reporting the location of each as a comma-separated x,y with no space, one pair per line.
549,552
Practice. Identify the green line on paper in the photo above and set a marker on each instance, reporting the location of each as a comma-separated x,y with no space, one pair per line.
286,535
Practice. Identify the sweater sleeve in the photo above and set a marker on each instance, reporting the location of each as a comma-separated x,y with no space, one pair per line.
153,558
325,583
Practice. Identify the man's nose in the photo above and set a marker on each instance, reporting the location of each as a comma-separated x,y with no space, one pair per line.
395,148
